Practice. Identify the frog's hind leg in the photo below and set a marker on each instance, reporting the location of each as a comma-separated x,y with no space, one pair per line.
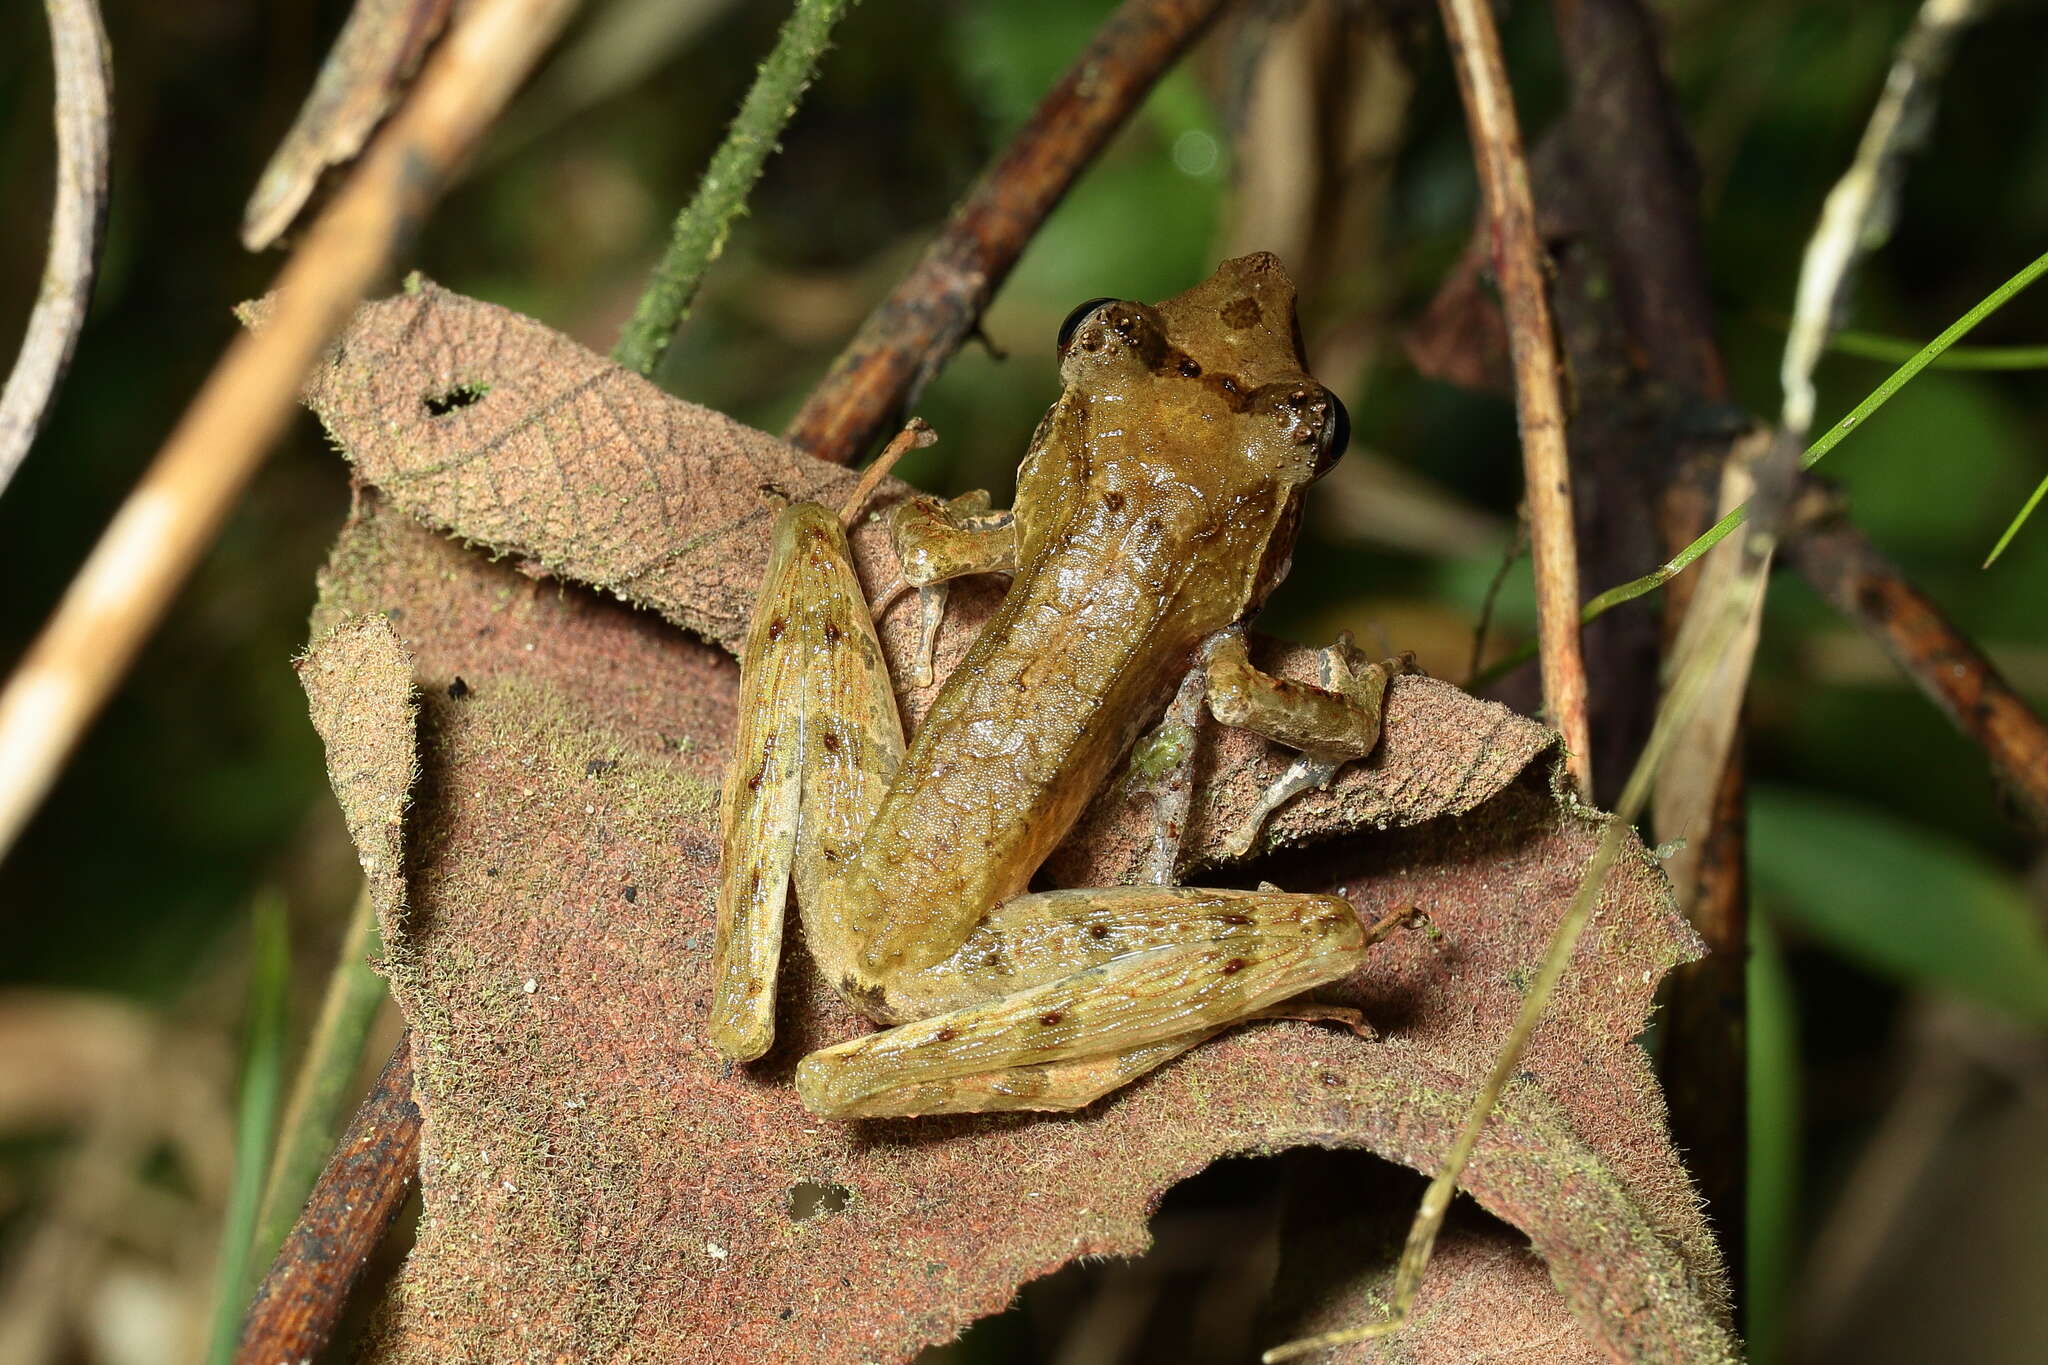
819,741
1062,996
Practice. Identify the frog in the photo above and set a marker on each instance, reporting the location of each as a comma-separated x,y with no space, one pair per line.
1156,508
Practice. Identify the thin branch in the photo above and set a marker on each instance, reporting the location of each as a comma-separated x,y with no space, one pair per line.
1846,569
1859,210
1532,342
84,120
169,520
353,1204
721,196
934,308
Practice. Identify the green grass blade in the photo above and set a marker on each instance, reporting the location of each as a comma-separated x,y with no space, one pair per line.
1925,909
321,1093
1774,1141
1871,346
262,1075
2017,522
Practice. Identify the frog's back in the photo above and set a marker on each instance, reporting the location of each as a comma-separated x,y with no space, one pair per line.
1148,519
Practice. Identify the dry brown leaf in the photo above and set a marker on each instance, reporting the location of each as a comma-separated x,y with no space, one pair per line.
597,1180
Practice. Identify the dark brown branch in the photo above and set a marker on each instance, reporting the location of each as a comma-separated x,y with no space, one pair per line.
351,1208
1845,568
934,309
1629,153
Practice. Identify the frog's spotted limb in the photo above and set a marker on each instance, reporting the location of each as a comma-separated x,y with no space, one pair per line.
1165,967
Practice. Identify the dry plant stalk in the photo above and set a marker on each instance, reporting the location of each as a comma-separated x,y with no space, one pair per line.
78,52
1532,341
170,518
361,1191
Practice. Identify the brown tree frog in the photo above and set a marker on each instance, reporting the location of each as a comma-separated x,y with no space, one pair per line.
1155,510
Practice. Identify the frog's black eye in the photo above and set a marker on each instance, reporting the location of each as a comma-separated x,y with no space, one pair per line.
1076,318
1339,438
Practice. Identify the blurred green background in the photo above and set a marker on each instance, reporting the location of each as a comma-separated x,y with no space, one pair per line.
1907,907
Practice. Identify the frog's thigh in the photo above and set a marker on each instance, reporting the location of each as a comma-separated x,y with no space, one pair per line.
1070,975
817,744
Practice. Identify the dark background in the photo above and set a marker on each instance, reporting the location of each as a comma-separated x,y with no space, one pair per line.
202,783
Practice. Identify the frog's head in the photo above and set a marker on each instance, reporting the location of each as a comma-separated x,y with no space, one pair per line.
1222,363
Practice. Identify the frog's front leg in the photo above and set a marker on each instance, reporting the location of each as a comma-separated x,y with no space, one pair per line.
936,542
1328,725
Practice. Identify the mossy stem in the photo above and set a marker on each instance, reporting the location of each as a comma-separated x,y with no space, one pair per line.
705,222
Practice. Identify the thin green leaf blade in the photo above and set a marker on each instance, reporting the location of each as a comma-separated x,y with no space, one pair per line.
2017,522
262,1080
1913,905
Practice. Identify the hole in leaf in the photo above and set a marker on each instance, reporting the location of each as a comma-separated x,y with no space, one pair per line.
461,396
815,1198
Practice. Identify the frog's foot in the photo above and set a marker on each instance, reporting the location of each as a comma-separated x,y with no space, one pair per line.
1056,1087
1331,724
1307,1012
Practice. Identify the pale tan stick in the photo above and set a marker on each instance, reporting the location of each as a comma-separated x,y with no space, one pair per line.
170,518
916,435
78,52
1532,341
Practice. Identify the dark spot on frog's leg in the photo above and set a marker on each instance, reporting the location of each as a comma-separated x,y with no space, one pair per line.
1234,918
1242,312
1051,1018
754,782
832,632
945,1035
1188,368
776,627
1098,931
1113,501
1234,966
831,742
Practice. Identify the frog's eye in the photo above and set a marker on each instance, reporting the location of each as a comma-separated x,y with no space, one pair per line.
1310,415
1339,438
1076,318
